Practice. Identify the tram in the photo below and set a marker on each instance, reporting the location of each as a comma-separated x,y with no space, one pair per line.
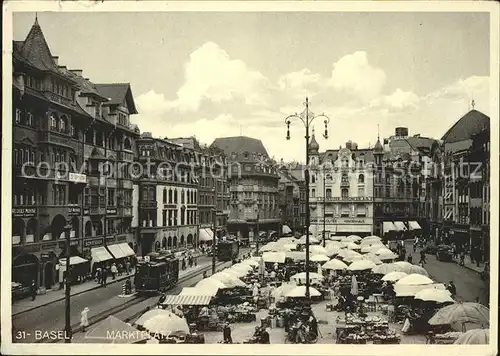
156,273
228,250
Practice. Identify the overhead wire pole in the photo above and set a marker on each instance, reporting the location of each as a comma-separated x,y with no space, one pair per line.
324,208
214,218
307,118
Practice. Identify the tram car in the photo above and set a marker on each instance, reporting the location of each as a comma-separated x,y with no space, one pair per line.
156,273
228,249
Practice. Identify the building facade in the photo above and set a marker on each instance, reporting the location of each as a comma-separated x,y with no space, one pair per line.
253,185
168,195
64,135
341,190
291,192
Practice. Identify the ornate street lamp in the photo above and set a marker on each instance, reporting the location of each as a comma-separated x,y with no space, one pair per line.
307,117
67,295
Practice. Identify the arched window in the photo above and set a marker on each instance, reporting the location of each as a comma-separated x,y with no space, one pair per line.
157,246
361,178
313,193
174,244
170,196
164,243
88,229
176,196
313,178
344,192
126,144
182,241
63,123
182,196
75,226
164,195
169,242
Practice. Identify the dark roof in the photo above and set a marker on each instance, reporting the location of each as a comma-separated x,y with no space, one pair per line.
118,93
86,86
17,45
470,124
378,146
355,154
36,50
239,144
313,145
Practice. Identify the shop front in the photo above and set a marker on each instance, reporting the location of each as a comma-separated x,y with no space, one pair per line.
342,226
460,236
98,255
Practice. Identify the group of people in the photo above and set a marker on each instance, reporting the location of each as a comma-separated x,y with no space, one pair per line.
188,261
113,270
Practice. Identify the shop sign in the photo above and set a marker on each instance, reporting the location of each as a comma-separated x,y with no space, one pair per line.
77,178
354,221
110,240
86,211
111,211
62,244
74,210
23,212
346,198
121,237
460,231
93,243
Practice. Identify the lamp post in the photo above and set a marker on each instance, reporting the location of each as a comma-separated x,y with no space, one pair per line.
67,292
307,118
324,208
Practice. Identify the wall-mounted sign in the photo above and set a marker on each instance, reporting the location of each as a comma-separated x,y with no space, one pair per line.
110,240
121,237
23,212
346,198
111,211
342,221
74,210
93,243
77,178
86,211
62,244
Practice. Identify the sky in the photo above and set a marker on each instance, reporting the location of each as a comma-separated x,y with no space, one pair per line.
216,74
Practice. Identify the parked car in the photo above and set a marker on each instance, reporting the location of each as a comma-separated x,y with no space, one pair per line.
444,253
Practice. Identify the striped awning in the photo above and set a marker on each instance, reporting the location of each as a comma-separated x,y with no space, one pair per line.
400,225
182,299
206,235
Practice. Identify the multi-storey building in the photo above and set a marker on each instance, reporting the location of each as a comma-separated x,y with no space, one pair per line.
253,182
457,144
292,206
213,189
168,195
341,190
397,187
63,132
434,192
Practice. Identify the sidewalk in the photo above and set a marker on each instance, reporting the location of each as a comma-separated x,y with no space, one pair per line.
468,263
52,296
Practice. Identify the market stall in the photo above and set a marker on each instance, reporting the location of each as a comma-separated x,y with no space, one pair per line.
114,331
356,329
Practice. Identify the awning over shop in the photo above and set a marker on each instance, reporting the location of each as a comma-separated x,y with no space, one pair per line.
116,251
206,235
414,225
187,300
353,228
100,254
75,260
389,226
286,230
400,225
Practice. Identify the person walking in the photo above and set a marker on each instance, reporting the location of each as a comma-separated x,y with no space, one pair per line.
127,266
114,270
452,289
462,258
422,258
33,290
226,334
84,318
105,276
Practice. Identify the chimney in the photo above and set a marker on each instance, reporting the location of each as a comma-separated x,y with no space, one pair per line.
78,72
56,60
62,67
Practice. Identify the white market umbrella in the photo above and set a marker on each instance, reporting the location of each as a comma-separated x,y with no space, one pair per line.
371,238
361,265
319,258
387,255
461,312
335,265
414,279
352,238
434,295
353,246
332,250
289,247
394,276
212,285
250,262
286,230
317,250
300,291
336,237
474,337
348,254
312,240
166,324
367,248
282,290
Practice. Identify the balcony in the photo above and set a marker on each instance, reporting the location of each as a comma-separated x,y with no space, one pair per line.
126,156
345,183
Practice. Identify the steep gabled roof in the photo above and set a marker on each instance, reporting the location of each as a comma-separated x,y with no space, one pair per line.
239,144
118,93
36,50
468,125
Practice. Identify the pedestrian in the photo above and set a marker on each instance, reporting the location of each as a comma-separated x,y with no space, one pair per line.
452,289
462,258
114,270
84,319
33,290
226,334
422,258
264,337
127,266
105,276
410,258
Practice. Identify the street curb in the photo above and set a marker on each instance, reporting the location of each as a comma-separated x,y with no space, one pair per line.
72,295
469,268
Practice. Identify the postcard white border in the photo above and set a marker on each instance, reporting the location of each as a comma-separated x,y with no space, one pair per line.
238,6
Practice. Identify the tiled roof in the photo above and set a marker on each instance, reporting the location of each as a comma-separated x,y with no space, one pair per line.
36,50
378,147
333,155
86,86
118,93
239,144
470,124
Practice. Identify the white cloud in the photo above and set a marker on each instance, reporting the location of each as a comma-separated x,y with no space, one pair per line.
211,74
355,75
397,102
152,102
300,84
463,89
